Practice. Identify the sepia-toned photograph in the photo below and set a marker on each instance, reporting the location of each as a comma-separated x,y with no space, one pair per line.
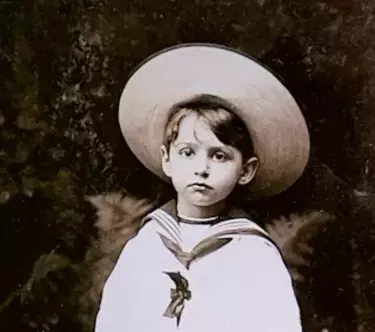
182,166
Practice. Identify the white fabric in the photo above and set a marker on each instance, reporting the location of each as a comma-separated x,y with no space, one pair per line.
243,286
198,219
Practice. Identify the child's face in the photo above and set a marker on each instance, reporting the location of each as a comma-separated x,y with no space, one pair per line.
203,170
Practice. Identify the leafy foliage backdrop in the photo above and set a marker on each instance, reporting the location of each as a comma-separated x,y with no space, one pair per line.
71,192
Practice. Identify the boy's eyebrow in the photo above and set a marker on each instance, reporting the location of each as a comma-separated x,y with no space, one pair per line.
224,147
183,143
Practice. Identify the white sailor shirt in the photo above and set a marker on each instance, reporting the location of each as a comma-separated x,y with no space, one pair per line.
176,276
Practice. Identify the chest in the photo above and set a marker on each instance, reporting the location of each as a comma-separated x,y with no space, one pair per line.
209,279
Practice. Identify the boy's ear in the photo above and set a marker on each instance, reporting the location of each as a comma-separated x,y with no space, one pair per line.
165,160
249,170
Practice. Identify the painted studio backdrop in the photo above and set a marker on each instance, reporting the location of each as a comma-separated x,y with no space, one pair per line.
71,192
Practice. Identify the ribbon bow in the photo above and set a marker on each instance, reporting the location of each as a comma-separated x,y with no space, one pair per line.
200,250
178,296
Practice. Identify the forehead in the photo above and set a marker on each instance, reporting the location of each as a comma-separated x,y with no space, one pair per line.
193,129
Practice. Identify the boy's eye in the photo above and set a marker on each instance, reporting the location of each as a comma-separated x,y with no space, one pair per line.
220,156
187,152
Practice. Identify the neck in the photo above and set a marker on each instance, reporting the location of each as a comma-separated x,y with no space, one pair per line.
194,211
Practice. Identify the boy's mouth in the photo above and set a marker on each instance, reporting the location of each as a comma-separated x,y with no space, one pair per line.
199,185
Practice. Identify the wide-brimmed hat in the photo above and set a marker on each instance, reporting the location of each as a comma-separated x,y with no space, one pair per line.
182,73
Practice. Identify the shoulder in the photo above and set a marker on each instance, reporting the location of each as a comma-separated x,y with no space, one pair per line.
152,225
147,232
247,236
260,243
259,248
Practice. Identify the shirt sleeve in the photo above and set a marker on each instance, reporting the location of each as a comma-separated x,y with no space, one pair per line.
245,287
132,296
111,309
262,290
125,288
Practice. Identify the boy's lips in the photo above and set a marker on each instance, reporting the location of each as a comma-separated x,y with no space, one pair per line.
200,185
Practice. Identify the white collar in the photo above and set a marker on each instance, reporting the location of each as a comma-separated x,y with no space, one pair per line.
197,219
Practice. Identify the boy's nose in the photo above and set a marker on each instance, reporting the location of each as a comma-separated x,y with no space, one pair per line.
203,173
201,167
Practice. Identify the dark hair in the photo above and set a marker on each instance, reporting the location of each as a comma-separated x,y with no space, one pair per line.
224,123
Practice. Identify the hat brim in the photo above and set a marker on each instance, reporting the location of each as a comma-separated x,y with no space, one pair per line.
179,74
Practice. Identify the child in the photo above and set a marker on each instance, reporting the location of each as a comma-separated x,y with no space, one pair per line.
214,123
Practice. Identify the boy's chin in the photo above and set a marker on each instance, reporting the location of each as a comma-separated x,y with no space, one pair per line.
197,199
200,202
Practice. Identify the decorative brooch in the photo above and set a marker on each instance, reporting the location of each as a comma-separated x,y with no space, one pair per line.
178,296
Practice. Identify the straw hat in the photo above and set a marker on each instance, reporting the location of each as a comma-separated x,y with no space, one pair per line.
186,71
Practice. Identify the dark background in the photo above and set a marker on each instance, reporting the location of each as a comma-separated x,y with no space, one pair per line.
63,65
